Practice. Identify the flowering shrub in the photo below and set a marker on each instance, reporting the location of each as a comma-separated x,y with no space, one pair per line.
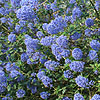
49,50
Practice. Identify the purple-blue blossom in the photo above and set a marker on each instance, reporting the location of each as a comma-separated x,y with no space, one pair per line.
47,81
31,43
11,66
76,13
31,26
65,53
83,82
17,28
78,96
68,74
3,20
65,98
96,72
68,18
15,3
57,25
44,26
94,44
43,59
77,66
25,13
96,97
62,41
39,34
4,11
29,61
51,65
97,5
56,50
67,61
20,93
24,57
14,73
89,22
41,74
77,53
54,7
93,55
29,51
88,32
44,95
3,83
12,38
47,40
76,36
22,22
32,3
48,7
72,1
2,73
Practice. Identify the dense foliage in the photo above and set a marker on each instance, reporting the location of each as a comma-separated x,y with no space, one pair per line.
50,49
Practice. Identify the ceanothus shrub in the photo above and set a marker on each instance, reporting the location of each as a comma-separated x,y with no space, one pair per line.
49,49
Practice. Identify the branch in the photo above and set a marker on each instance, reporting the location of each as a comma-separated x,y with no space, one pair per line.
95,9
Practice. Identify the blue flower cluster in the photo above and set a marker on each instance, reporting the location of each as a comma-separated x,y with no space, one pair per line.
15,3
77,66
72,1
44,95
32,88
24,57
54,6
3,82
11,66
3,20
59,49
31,43
75,36
12,69
14,73
65,98
96,97
94,44
46,47
32,3
41,74
88,32
39,34
67,61
76,13
8,97
56,50
68,74
51,65
93,55
83,82
25,13
57,25
48,40
20,93
45,79
12,38
97,5
77,54
78,96
89,22
62,41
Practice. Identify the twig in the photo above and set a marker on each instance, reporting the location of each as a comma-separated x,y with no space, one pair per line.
95,9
